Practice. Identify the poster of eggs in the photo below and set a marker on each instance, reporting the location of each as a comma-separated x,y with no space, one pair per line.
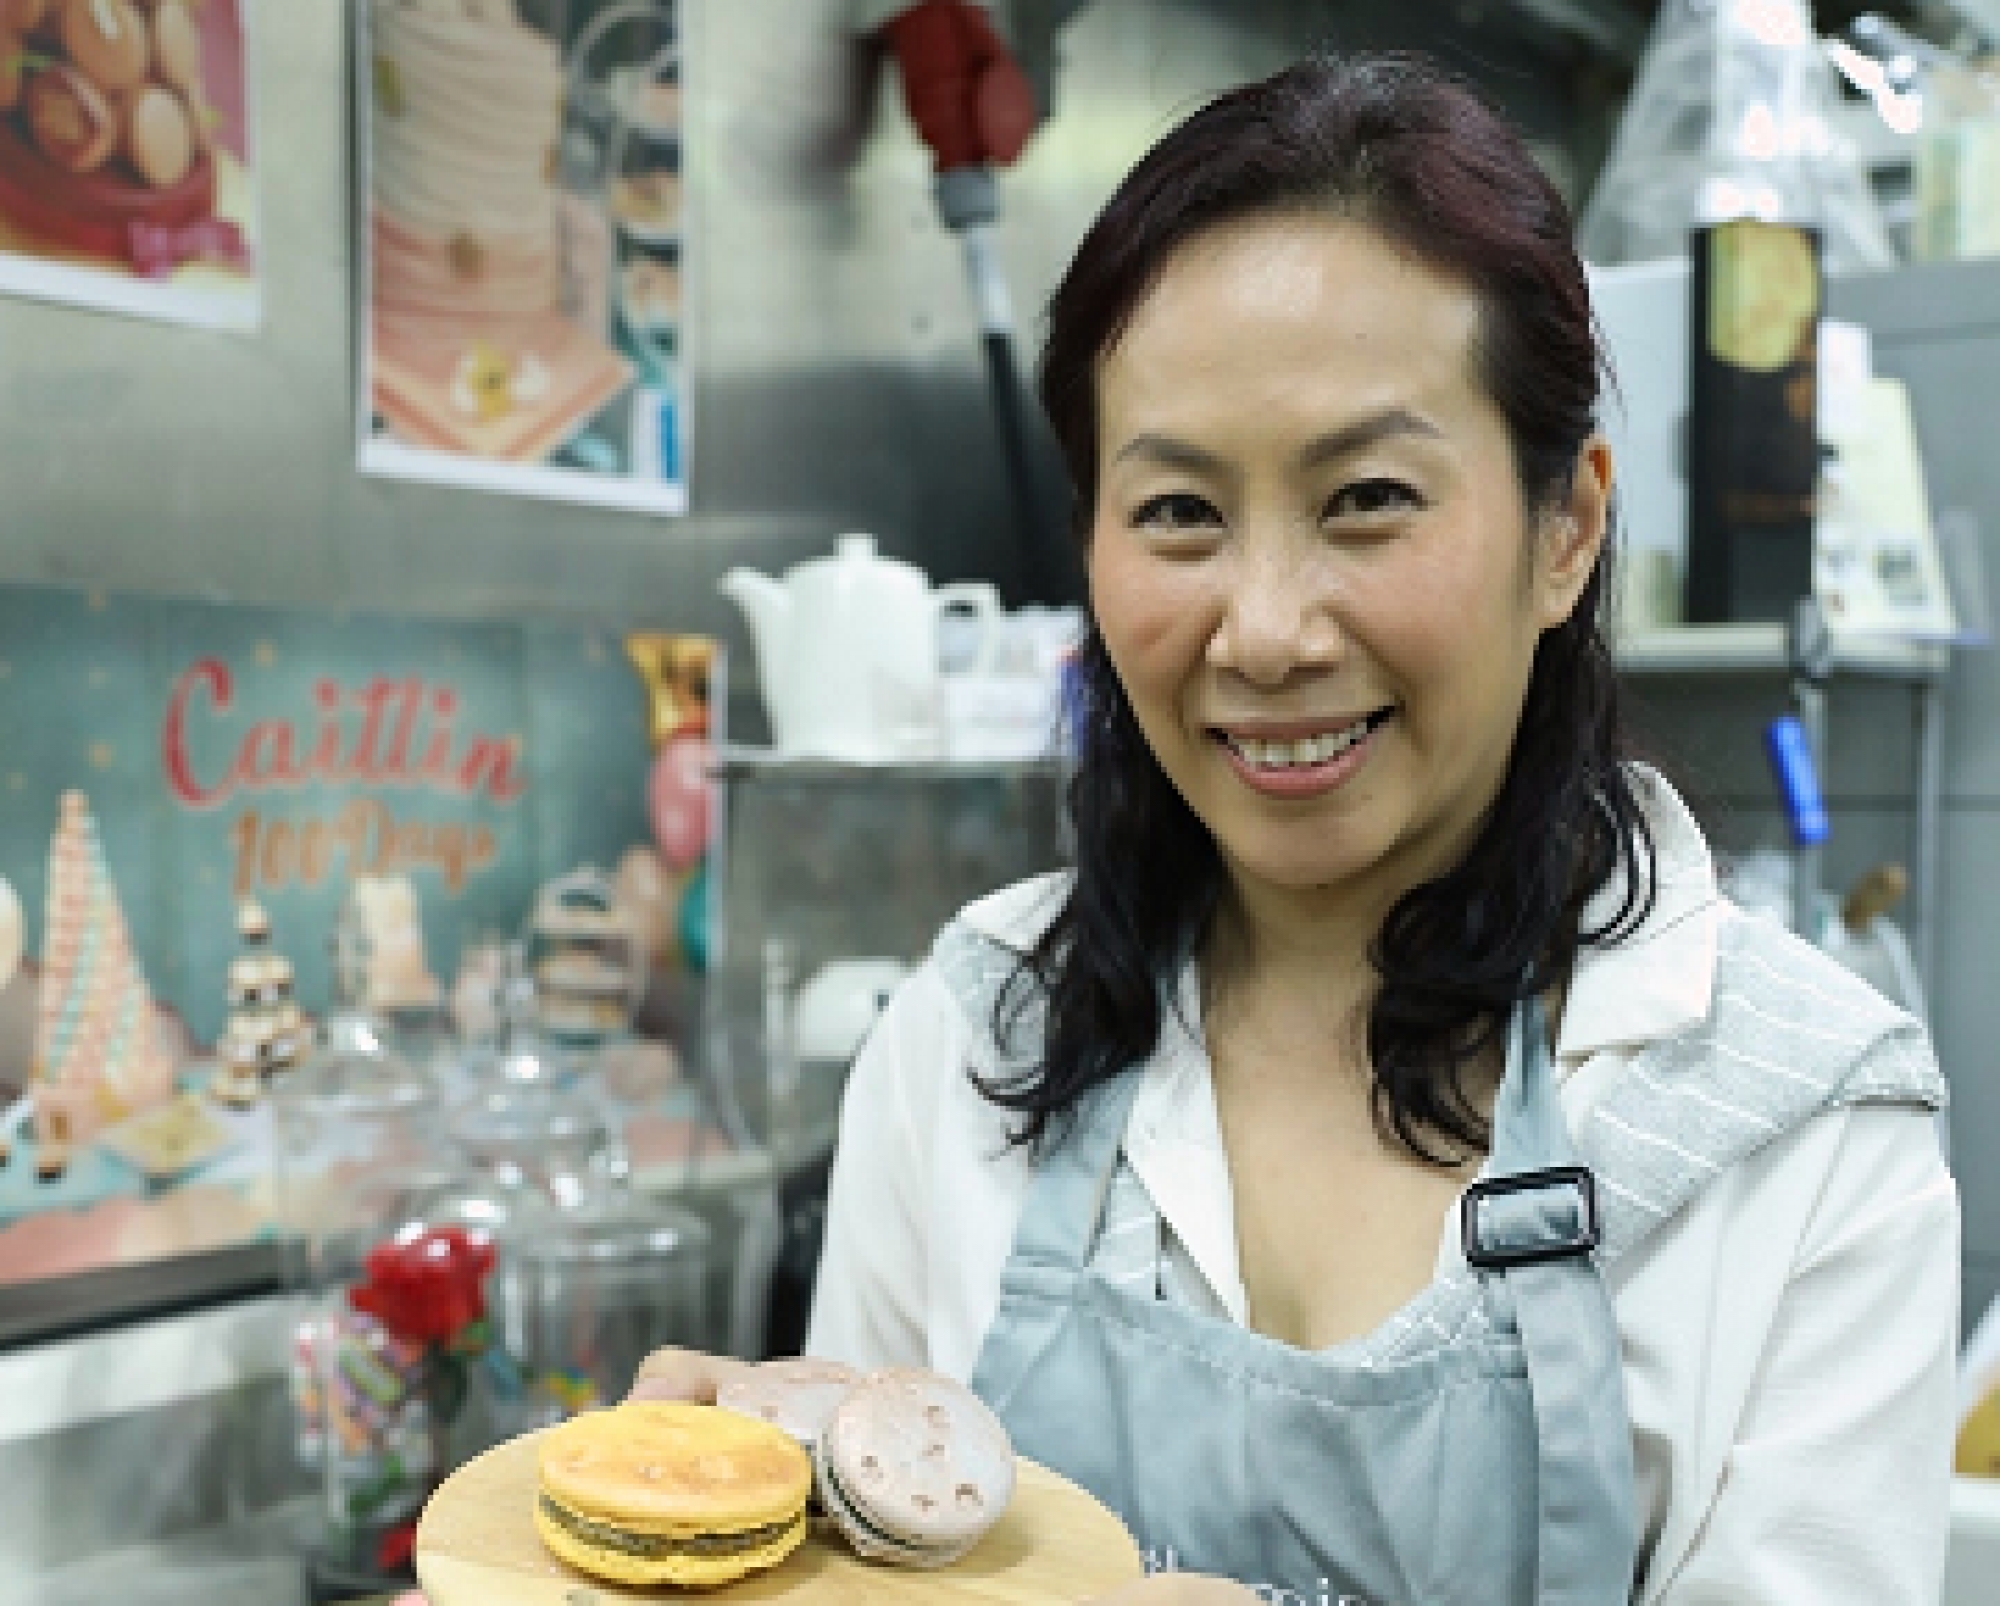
127,179
522,227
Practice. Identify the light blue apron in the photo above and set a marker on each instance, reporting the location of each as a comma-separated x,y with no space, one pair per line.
1489,1466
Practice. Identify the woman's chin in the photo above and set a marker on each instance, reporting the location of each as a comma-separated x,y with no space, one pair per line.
1296,873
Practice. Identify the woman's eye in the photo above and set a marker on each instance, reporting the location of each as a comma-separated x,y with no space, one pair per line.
1176,511
1364,497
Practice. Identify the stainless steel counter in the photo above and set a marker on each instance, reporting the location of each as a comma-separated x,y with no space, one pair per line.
254,1561
153,1462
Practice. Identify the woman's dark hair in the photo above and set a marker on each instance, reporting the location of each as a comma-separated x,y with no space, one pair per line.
1394,143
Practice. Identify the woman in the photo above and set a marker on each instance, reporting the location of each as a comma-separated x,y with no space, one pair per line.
1386,1170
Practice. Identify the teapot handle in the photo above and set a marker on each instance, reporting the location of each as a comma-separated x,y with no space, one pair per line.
984,600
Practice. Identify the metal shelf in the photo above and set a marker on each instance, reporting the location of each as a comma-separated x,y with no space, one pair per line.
1761,648
88,1301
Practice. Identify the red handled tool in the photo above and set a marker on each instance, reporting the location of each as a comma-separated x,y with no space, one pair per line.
975,108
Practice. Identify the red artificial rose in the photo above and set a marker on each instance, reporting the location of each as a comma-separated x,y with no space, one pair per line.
426,1287
394,1549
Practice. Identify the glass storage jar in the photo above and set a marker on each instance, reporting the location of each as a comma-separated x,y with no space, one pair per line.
392,1266
602,1284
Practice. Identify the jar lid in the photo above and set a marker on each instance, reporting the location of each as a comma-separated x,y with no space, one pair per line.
636,1232
527,1125
486,1206
357,1083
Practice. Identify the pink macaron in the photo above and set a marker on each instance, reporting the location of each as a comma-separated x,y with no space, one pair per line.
796,1395
914,1468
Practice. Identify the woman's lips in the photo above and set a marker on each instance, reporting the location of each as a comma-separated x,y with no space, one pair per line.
1301,760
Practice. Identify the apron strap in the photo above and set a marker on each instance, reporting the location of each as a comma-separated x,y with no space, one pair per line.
1065,1199
1535,1222
1584,1483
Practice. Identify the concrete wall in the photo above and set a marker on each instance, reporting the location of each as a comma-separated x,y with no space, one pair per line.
838,378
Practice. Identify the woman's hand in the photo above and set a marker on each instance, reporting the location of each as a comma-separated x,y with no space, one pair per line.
1180,1589
684,1374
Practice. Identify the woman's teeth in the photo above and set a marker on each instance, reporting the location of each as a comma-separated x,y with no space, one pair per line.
1294,755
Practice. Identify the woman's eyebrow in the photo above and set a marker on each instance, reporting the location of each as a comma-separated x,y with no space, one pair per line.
1351,437
1168,453
1364,432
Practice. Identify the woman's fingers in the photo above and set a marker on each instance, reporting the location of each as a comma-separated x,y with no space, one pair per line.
684,1374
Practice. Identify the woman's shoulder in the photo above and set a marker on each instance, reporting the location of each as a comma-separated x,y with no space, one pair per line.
978,956
1788,1043
1773,988
1787,1032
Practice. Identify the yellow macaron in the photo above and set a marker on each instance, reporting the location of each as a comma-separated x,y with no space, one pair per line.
658,1493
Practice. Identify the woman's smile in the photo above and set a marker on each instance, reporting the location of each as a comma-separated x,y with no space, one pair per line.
1300,758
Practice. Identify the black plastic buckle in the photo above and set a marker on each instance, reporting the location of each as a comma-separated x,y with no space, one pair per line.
1581,1242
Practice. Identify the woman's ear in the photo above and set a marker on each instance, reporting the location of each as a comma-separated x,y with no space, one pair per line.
1572,534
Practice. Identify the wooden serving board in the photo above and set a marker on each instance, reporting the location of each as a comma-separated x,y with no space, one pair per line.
476,1546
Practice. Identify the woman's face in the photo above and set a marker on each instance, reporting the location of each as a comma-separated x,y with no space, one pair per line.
1310,559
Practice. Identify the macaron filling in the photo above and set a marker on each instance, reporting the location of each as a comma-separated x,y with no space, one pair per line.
864,1531
657,1547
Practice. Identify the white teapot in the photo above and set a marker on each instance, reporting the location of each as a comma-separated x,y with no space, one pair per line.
847,651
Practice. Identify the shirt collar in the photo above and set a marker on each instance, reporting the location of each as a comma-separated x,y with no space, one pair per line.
1659,979
1016,916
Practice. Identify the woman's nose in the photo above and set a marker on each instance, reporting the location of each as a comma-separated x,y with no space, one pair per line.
1276,621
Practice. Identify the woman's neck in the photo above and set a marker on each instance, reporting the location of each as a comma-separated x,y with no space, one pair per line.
1312,930
1295,957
